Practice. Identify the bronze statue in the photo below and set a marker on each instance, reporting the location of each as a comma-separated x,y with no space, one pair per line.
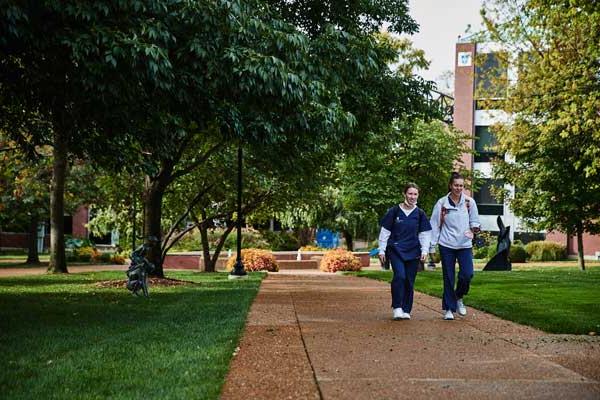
501,260
139,268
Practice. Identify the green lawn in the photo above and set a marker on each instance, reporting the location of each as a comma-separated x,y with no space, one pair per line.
62,337
556,300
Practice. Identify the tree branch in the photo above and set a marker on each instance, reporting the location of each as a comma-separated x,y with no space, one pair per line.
191,205
197,163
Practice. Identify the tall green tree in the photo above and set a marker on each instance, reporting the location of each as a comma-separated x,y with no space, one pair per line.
24,194
273,84
258,83
70,75
554,102
25,190
369,182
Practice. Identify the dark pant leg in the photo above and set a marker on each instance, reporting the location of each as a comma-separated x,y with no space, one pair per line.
398,281
465,272
448,257
409,284
386,263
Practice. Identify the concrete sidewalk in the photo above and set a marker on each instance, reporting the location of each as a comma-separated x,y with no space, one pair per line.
325,336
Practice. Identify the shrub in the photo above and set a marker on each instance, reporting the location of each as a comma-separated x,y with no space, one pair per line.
491,251
339,260
546,251
312,248
76,243
480,252
86,254
251,239
102,257
281,241
518,253
255,260
188,242
117,258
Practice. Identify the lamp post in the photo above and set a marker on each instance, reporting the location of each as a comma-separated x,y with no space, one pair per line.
238,270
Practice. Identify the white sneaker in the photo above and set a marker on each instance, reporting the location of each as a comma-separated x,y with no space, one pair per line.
462,310
448,316
398,314
405,315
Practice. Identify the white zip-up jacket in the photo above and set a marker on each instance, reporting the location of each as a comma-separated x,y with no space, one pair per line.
455,232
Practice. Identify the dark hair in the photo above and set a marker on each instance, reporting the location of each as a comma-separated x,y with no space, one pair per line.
411,185
454,176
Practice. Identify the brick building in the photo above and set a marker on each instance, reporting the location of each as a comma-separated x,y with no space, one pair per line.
75,225
477,97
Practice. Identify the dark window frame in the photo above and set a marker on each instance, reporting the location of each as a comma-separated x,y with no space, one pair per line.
485,206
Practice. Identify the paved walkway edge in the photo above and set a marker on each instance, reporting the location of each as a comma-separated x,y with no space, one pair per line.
323,336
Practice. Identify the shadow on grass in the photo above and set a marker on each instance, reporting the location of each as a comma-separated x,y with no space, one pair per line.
183,337
36,280
22,264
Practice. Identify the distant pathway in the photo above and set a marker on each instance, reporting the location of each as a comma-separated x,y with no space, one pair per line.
319,336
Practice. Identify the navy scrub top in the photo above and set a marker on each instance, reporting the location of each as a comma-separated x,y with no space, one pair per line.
405,229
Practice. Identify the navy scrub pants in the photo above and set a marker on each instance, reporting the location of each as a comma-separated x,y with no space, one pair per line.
465,274
403,282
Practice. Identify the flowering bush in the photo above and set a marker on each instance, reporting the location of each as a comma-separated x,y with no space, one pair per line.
117,258
86,254
339,260
255,260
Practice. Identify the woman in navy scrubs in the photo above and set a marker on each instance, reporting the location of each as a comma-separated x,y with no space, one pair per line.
405,234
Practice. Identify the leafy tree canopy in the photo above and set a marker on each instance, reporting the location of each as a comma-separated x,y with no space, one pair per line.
554,130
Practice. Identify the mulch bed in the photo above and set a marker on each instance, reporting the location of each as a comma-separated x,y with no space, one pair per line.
122,283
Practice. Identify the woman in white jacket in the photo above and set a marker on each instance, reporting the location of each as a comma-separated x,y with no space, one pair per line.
454,222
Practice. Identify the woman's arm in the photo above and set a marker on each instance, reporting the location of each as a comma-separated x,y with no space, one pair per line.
474,223
435,226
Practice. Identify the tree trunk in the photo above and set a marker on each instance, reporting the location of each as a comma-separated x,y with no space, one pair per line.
220,245
58,260
580,247
349,240
203,228
32,250
306,236
153,195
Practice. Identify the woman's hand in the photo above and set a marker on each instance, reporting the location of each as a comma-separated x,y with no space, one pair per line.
382,258
423,257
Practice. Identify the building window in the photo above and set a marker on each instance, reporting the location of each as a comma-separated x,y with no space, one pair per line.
485,141
486,202
68,224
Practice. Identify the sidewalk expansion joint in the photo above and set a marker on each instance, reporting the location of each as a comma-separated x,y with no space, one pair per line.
312,368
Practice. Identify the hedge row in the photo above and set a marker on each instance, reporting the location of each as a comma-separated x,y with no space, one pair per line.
533,251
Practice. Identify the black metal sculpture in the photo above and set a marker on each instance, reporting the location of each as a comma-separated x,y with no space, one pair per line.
501,260
139,268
